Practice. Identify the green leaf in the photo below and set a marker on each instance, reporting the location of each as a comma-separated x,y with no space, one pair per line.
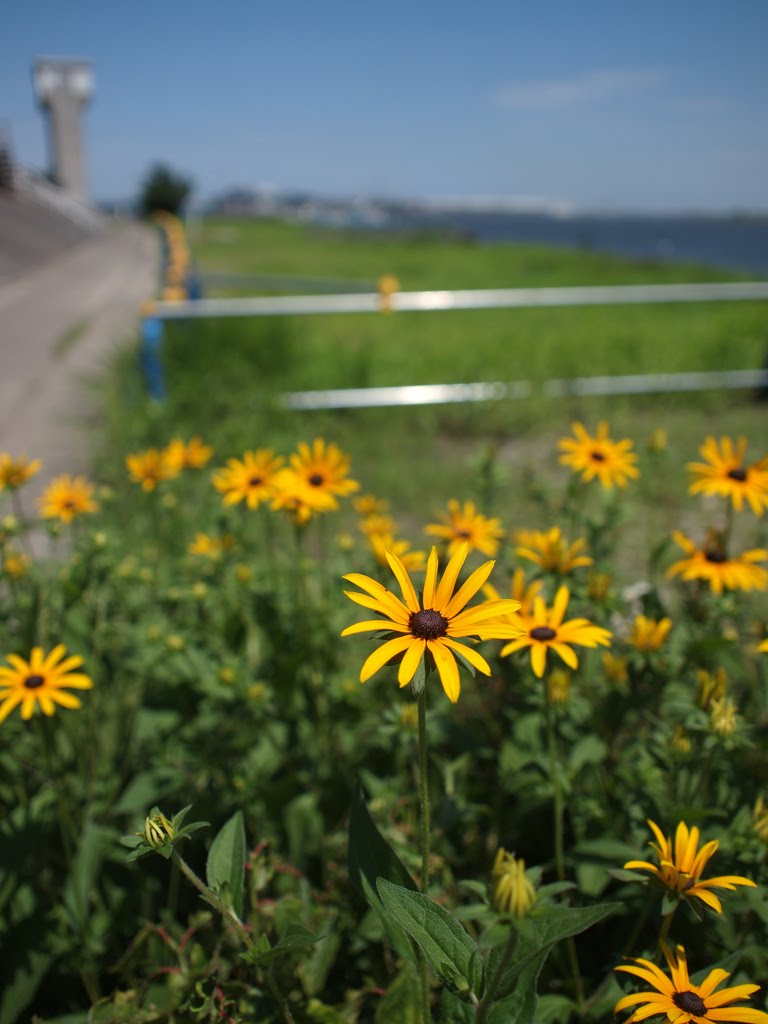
295,937
402,1002
454,1010
451,952
305,827
82,879
520,1007
370,858
225,869
539,934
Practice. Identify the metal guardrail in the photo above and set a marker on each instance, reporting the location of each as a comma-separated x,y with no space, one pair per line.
478,298
482,298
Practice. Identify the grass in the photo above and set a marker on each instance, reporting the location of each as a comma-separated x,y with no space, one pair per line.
225,376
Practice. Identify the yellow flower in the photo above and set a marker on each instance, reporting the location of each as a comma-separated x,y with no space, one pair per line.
67,497
149,468
15,472
465,525
726,474
324,468
615,668
42,681
206,546
559,686
192,454
520,591
722,715
414,561
433,626
15,563
649,634
682,863
711,685
367,505
721,571
763,647
381,524
249,479
513,892
292,494
551,550
611,462
545,629
681,1001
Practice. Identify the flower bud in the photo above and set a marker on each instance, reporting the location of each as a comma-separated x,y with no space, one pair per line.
513,892
157,831
559,686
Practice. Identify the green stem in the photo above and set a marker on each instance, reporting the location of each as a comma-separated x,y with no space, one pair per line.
425,825
487,1001
231,917
558,809
666,924
67,825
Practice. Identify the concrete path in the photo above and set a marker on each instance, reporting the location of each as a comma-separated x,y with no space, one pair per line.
58,326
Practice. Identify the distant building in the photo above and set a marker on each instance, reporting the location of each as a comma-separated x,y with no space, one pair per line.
63,87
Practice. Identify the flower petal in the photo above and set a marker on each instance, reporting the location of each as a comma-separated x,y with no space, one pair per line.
382,654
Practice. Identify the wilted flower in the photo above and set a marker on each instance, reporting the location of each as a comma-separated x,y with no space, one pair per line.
559,686
712,685
680,743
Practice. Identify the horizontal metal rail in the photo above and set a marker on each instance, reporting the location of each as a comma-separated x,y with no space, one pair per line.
479,298
436,394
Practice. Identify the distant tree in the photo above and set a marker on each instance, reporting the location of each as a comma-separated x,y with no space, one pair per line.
163,189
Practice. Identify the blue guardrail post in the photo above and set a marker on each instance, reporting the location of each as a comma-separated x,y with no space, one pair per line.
151,356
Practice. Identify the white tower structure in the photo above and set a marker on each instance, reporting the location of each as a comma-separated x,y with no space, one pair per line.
63,87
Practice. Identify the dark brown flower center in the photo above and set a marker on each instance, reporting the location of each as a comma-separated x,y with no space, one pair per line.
255,481
466,534
69,504
317,479
428,624
739,473
597,456
689,1002
543,633
34,682
718,557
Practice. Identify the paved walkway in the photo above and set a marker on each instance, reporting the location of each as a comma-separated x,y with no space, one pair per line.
59,325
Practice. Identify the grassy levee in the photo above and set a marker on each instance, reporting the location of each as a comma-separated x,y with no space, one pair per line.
225,376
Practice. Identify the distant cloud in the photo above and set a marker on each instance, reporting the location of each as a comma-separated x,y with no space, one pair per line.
580,89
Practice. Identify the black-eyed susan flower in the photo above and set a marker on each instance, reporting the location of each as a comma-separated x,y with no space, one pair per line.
192,454
15,564
727,474
513,892
369,505
463,524
324,468
599,457
762,648
430,627
149,468
67,497
722,571
300,500
414,561
206,546
711,685
14,473
381,524
545,630
41,682
649,634
249,479
681,1001
681,865
551,550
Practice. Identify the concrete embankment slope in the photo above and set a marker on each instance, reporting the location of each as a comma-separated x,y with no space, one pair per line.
58,325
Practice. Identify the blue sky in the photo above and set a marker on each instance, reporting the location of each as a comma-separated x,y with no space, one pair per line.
659,105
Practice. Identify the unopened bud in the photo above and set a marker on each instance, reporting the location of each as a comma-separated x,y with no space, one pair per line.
513,891
157,831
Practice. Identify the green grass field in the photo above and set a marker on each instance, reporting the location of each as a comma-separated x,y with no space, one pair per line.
225,376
